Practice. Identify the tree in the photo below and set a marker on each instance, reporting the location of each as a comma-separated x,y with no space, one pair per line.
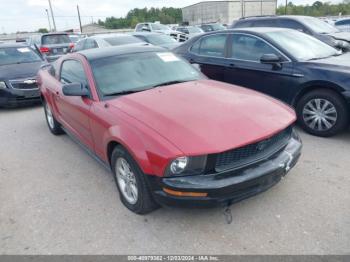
43,30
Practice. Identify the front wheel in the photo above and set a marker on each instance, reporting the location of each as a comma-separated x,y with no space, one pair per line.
131,182
323,113
52,123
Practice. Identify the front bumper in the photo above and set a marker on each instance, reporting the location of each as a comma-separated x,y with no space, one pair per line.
16,97
230,186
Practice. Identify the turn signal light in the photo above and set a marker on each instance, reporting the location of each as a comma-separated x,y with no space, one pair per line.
183,194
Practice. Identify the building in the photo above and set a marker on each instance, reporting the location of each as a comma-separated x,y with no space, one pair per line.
226,12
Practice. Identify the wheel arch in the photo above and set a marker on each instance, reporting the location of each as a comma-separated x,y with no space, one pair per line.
314,85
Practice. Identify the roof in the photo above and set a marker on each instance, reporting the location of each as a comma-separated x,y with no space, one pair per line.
275,17
97,53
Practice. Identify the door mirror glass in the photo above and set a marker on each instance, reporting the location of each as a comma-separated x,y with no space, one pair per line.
75,89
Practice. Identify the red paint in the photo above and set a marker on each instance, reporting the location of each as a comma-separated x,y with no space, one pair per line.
160,124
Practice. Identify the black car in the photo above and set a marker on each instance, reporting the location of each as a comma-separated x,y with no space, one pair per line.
157,39
19,65
292,66
309,25
51,45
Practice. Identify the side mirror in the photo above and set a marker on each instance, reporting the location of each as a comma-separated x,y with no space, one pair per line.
270,59
75,89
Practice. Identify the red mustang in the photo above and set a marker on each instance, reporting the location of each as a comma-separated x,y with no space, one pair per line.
169,135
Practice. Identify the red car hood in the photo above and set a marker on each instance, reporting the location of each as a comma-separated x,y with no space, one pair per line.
207,116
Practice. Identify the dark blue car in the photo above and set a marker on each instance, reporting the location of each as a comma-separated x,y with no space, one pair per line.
289,65
19,65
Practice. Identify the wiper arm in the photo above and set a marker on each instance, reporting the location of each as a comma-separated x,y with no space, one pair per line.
171,83
124,92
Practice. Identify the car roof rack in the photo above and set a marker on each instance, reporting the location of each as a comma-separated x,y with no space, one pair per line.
257,16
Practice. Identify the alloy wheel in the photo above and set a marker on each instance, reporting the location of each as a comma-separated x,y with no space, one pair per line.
126,180
49,116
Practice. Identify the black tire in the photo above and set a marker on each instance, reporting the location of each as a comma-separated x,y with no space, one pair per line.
341,112
55,127
145,203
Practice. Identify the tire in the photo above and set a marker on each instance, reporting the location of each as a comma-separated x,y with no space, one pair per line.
144,202
322,112
54,126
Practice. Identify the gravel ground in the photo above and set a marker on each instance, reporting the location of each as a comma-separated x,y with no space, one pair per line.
56,199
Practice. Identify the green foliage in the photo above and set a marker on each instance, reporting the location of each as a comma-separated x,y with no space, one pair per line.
43,30
318,8
164,15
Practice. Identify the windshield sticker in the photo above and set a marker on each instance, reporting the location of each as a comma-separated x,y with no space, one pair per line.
23,50
168,57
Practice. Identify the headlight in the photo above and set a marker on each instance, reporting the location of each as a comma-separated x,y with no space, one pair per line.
185,165
340,43
2,85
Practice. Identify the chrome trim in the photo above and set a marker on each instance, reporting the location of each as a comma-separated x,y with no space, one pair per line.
23,81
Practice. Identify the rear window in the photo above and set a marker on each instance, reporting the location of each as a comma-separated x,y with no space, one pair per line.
122,40
55,39
18,55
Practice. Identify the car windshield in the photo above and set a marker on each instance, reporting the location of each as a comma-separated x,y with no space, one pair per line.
302,46
159,27
136,72
122,40
56,39
160,39
319,26
18,55
193,30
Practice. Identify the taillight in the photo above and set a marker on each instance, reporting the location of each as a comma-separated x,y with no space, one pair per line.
44,50
71,45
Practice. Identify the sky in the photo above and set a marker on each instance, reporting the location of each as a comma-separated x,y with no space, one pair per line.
29,15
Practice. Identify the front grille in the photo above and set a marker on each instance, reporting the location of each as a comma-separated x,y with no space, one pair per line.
252,153
179,37
26,84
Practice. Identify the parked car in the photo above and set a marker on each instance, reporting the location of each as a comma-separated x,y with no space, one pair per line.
343,24
190,30
157,39
19,65
106,40
315,27
169,135
75,37
289,65
212,27
51,45
159,28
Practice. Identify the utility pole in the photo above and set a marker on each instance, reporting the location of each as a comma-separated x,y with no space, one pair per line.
285,9
48,19
53,17
81,28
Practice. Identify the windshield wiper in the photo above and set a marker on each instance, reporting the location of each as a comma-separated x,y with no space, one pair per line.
125,92
171,83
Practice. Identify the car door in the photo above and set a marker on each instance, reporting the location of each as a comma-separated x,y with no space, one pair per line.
74,110
245,69
209,53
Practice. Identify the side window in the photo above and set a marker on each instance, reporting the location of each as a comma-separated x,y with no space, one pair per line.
213,45
79,45
265,23
72,71
242,24
90,44
342,22
195,47
250,48
139,27
291,24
